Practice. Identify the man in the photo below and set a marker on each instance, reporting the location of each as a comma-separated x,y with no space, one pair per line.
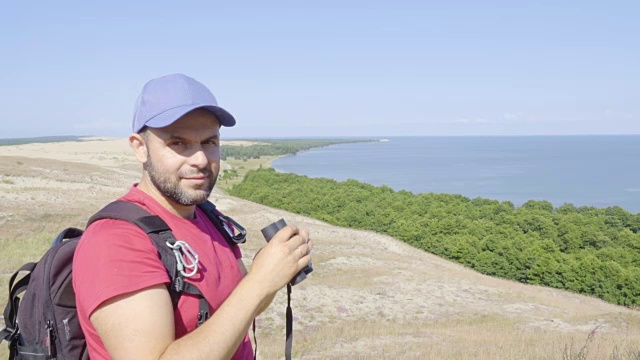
123,303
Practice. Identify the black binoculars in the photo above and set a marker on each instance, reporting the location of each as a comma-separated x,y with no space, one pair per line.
268,233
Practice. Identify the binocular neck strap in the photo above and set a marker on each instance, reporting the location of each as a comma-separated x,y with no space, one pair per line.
289,331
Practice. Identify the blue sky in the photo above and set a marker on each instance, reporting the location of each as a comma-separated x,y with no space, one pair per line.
328,68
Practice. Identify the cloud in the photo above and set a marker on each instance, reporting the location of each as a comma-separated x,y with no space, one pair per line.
519,117
100,125
506,117
511,116
611,114
469,121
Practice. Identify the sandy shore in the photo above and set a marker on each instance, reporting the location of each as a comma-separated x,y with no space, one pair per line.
370,296
101,151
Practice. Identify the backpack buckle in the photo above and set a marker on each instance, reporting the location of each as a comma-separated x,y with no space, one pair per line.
239,238
9,334
202,317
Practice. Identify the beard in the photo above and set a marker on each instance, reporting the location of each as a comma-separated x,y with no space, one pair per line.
169,186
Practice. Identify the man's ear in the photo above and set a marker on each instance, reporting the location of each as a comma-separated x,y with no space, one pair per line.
139,145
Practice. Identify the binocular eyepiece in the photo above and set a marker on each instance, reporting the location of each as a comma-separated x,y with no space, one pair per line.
269,232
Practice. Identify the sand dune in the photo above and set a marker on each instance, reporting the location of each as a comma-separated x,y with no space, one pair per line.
370,296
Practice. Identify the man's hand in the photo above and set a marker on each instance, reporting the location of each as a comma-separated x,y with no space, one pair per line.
280,260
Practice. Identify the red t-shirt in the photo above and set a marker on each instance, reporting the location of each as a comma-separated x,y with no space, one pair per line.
115,257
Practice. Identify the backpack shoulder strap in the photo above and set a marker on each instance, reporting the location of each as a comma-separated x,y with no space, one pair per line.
160,234
10,331
224,224
130,212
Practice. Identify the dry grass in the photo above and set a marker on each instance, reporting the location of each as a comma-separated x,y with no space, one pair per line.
369,296
243,167
469,338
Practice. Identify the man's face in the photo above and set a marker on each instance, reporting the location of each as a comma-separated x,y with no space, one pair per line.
183,158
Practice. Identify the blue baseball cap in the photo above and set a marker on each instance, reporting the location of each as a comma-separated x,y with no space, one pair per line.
165,99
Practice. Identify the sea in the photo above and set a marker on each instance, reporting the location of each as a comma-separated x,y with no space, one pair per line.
599,170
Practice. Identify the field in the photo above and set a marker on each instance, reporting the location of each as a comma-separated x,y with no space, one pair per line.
370,296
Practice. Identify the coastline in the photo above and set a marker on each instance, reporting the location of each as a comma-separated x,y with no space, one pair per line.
584,171
115,151
431,308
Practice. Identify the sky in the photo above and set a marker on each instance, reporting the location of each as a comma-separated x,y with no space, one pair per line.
328,68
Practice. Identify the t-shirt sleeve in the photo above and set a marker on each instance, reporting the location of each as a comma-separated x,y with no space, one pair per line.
114,258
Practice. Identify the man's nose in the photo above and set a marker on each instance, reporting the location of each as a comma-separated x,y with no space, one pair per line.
198,158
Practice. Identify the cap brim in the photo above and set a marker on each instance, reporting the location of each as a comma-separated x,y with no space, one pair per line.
223,116
170,116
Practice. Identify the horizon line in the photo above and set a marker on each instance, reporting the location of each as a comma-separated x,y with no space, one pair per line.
328,136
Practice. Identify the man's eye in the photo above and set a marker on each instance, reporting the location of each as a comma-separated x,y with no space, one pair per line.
177,143
211,142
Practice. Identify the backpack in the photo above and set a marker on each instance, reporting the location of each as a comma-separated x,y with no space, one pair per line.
43,323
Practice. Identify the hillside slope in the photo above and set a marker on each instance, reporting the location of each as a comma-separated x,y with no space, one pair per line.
370,296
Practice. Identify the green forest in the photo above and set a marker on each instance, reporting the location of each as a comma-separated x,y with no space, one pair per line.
581,249
276,147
